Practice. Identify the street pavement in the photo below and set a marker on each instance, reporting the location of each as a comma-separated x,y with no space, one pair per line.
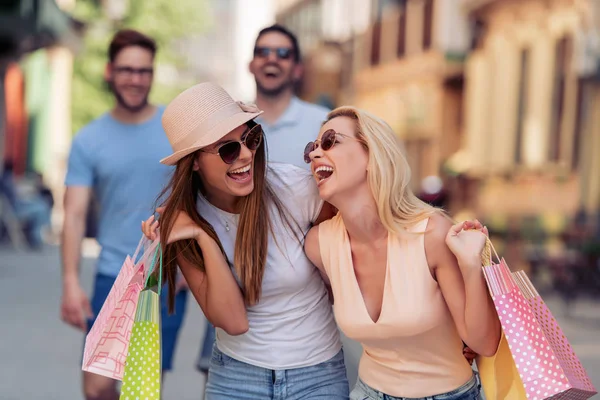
40,356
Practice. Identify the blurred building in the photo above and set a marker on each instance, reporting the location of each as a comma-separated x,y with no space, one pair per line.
36,41
222,53
400,59
532,108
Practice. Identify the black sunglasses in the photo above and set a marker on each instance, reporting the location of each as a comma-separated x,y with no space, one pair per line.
230,151
327,141
282,53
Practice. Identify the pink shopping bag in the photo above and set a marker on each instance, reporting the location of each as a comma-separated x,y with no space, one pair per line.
107,342
546,362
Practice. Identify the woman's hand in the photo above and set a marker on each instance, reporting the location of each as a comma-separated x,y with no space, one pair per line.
467,240
183,228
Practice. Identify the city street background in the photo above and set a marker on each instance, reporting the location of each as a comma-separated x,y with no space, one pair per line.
497,104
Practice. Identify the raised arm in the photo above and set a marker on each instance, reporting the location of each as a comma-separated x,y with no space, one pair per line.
215,289
455,256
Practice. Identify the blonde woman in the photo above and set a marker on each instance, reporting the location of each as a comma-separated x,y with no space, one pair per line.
406,283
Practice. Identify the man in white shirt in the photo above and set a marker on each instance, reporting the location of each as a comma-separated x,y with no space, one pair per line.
289,123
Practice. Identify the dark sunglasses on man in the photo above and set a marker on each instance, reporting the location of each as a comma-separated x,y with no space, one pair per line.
283,53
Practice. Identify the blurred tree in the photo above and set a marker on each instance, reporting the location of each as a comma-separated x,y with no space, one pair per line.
166,21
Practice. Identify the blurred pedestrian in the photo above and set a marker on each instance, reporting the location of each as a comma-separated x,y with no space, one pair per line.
33,211
114,159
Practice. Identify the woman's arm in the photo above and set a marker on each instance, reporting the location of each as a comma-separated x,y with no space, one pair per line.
215,289
460,277
313,252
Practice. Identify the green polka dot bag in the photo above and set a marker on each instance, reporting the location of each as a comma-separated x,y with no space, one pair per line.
142,376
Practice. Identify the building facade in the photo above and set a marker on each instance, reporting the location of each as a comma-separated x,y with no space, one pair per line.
400,59
531,107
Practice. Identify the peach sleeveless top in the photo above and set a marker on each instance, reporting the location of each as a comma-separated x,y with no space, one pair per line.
413,350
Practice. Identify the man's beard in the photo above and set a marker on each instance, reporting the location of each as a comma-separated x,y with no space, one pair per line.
274,92
133,109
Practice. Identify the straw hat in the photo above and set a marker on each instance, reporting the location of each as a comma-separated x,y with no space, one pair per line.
200,116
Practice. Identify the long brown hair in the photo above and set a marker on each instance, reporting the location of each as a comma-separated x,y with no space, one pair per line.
250,253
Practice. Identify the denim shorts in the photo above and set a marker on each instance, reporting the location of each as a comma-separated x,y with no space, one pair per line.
170,324
469,391
230,379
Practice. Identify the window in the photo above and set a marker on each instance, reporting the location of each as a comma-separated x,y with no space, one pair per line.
562,58
522,105
376,32
428,24
582,107
401,46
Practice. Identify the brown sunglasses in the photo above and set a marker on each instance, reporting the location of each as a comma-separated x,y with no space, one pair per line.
230,151
327,141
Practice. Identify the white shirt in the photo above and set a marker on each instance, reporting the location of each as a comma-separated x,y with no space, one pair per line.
287,138
292,325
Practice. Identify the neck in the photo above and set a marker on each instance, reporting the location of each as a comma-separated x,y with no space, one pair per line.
361,219
273,107
225,203
126,116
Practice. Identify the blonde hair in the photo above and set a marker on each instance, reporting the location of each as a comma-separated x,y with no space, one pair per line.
388,171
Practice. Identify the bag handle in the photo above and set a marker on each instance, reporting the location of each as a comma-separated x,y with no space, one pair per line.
160,268
138,248
486,253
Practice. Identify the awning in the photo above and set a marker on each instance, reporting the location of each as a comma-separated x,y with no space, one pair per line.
28,25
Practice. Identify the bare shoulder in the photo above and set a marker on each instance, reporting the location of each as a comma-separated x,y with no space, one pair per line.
435,239
312,247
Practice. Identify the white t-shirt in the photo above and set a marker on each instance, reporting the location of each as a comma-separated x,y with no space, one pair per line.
292,325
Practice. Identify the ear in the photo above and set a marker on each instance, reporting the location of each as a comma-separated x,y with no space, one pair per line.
107,72
196,165
297,72
251,66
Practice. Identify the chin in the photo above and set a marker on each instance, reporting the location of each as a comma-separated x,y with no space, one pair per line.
242,191
325,194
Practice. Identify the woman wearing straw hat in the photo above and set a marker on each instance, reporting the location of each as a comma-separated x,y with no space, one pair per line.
276,336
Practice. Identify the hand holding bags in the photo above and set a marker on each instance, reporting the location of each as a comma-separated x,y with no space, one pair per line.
107,342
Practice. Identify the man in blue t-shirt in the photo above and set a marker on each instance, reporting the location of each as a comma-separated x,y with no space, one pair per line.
115,159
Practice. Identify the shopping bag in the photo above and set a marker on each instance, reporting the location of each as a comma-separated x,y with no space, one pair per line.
499,376
142,378
534,354
575,376
106,344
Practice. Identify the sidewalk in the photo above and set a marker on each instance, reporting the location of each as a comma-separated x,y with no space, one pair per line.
41,355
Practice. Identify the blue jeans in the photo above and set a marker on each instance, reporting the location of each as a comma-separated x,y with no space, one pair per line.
230,379
469,391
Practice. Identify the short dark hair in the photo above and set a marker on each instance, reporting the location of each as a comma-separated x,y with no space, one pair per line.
127,38
286,32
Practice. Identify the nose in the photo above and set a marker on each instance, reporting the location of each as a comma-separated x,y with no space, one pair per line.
136,78
317,152
245,152
272,56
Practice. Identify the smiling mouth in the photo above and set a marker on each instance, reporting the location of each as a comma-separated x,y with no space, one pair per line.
322,173
241,175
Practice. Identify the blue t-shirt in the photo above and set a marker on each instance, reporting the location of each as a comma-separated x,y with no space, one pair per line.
121,163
